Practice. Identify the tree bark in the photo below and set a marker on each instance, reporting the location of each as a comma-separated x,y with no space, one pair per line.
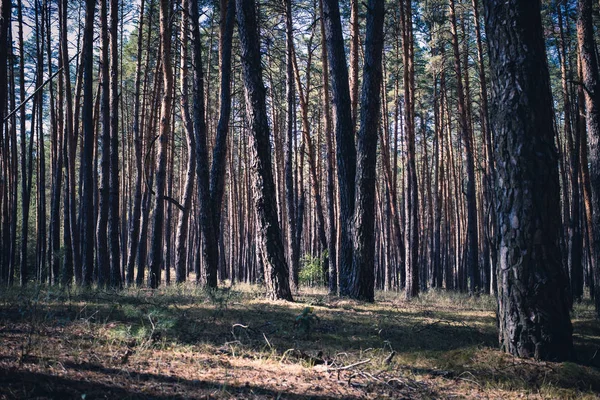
156,246
344,134
114,183
532,308
591,82
270,243
87,156
362,284
467,138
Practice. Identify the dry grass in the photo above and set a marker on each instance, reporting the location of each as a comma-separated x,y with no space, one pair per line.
182,342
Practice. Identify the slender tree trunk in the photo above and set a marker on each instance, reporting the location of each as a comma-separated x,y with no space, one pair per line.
219,156
209,238
412,192
87,156
293,243
104,147
156,247
182,229
331,215
591,82
114,189
467,138
354,50
270,242
134,228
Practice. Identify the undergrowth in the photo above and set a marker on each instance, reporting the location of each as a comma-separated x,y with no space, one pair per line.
439,345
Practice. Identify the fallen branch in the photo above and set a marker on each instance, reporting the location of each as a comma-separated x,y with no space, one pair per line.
356,364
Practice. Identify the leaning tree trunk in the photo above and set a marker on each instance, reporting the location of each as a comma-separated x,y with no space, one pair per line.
270,241
532,294
362,284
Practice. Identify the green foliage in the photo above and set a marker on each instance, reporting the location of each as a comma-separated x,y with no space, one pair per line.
311,271
305,320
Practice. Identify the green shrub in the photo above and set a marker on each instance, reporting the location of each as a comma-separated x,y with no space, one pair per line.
311,271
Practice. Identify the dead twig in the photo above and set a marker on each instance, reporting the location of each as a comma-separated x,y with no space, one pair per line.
347,367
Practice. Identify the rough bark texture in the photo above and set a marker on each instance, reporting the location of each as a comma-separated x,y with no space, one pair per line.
134,228
217,172
467,139
269,235
182,228
533,312
362,284
104,146
344,134
591,82
293,246
412,191
209,238
156,247
87,156
333,274
113,196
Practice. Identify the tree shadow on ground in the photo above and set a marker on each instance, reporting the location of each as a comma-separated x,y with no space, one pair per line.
16,384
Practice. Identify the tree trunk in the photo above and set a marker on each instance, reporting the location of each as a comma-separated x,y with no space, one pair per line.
209,238
532,308
270,243
591,82
114,190
182,229
87,156
344,134
333,273
467,138
103,186
156,246
134,228
363,274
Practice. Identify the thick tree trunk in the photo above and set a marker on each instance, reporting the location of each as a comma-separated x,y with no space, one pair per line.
362,285
344,134
270,243
532,307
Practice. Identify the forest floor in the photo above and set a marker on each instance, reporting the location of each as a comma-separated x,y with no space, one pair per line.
182,342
